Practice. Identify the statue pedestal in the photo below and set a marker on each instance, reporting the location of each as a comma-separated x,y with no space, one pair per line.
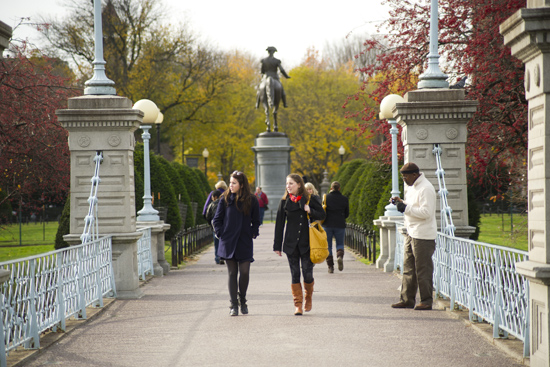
272,161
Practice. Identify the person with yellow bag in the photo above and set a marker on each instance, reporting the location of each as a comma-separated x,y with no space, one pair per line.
292,213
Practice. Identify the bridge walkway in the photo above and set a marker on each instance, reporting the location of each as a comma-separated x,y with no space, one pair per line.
183,320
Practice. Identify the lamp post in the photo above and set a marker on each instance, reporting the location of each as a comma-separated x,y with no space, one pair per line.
99,84
433,77
341,151
158,121
150,115
386,107
205,154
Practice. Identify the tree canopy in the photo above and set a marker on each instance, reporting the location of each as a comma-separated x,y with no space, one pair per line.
34,154
470,45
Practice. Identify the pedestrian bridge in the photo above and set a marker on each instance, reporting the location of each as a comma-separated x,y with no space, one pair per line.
183,320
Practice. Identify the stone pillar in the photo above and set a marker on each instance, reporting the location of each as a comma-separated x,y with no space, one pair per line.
526,32
107,124
158,230
325,185
5,36
432,116
272,164
388,238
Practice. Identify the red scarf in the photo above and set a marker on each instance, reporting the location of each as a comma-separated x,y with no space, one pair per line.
294,199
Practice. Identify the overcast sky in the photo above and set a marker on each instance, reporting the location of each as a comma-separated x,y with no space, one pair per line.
243,24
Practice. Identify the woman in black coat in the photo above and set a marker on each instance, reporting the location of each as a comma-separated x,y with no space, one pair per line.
236,224
293,211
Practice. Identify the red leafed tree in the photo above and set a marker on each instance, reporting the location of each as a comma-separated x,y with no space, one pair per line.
34,153
470,45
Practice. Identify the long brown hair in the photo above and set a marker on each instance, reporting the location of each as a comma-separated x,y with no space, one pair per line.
243,198
301,190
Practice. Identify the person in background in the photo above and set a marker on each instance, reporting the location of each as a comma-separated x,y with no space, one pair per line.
236,224
312,191
419,211
292,213
221,186
210,212
337,208
263,201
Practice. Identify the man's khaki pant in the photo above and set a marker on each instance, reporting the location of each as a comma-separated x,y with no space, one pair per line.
418,269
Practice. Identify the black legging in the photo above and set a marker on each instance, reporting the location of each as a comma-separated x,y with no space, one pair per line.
233,269
307,266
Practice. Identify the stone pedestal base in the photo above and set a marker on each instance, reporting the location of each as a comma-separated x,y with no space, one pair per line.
158,229
387,242
272,164
125,267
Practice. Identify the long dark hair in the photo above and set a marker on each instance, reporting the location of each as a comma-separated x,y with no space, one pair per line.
301,190
243,198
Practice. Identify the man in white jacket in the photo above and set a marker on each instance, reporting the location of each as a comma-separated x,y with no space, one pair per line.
419,210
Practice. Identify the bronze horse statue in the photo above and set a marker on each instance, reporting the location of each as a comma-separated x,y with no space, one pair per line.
270,91
270,95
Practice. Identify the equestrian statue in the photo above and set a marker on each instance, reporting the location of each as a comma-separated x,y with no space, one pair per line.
270,91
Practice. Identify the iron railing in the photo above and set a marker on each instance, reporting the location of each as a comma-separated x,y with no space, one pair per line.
190,241
482,278
45,290
361,240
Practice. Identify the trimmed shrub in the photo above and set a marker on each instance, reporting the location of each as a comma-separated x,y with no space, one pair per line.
160,183
64,225
347,170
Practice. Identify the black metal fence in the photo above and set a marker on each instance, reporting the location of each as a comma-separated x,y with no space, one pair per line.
190,241
361,240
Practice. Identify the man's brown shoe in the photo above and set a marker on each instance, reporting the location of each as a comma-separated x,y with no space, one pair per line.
402,305
422,306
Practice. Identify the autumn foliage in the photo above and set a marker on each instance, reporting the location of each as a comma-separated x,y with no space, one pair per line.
34,154
470,45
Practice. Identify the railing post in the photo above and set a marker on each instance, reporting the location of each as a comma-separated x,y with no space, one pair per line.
472,292
452,257
35,343
97,270
3,346
60,295
174,246
82,295
497,287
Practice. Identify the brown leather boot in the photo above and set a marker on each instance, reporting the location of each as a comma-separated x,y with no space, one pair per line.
330,264
298,297
309,294
340,256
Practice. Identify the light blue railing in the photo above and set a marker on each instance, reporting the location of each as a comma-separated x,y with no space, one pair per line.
144,255
482,278
45,290
445,210
478,276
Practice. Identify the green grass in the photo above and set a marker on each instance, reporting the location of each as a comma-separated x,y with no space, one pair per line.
496,229
35,239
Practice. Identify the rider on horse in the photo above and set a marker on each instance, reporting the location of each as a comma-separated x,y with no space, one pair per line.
269,69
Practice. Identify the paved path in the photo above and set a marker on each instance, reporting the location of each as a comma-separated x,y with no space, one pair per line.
183,320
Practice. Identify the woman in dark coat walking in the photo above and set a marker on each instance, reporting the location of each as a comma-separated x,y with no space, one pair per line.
293,211
236,224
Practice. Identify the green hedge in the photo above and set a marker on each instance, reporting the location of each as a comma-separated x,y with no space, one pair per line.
172,180
64,225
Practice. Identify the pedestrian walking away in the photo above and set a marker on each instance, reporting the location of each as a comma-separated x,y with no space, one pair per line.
292,214
210,212
236,224
312,191
221,186
419,211
263,201
337,208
